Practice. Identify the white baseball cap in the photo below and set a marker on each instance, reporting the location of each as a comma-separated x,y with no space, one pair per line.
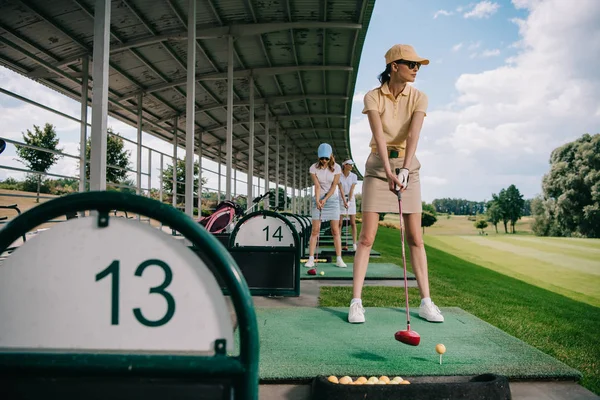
348,162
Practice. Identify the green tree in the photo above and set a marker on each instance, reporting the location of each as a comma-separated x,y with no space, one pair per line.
494,213
502,201
514,203
427,219
570,205
481,224
39,160
181,171
281,194
116,155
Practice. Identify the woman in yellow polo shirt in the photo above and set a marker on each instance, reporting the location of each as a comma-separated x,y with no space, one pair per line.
396,111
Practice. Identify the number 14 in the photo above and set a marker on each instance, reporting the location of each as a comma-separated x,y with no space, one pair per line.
277,234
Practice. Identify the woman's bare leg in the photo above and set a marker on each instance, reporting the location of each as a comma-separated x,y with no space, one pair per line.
370,224
316,227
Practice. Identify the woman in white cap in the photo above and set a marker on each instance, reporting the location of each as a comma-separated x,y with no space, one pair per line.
325,174
348,181
396,111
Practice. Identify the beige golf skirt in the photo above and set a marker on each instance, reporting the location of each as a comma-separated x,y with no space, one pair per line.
376,195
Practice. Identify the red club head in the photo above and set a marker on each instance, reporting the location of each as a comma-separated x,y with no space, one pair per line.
408,337
345,248
312,271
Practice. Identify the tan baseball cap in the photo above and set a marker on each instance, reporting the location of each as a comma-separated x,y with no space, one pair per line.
404,52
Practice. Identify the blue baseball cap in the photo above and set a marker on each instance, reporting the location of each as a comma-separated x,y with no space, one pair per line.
325,150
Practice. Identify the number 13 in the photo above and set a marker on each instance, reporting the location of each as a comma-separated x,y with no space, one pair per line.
113,269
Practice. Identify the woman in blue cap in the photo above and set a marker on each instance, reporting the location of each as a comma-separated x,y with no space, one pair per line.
325,175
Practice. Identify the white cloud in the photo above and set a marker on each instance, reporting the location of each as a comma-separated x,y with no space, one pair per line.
442,12
434,180
504,123
358,97
475,45
483,9
490,53
457,47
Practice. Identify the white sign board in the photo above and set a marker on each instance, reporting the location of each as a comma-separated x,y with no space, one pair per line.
264,230
126,288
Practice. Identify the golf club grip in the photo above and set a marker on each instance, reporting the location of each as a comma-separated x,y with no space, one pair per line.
399,191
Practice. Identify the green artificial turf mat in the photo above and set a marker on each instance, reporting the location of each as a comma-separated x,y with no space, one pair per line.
300,343
375,271
330,250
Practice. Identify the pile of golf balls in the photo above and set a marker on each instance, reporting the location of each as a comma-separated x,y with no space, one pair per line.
382,380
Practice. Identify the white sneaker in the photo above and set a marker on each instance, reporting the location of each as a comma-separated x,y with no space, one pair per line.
340,263
309,264
431,313
356,315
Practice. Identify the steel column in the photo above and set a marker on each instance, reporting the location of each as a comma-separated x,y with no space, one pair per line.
139,146
266,165
100,94
85,61
190,96
229,142
277,166
175,123
250,176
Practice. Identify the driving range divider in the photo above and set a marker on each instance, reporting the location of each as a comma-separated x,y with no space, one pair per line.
266,247
104,307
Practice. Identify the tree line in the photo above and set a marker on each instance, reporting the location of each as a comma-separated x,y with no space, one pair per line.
468,207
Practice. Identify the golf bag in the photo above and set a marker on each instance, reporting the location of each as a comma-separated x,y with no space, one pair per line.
219,221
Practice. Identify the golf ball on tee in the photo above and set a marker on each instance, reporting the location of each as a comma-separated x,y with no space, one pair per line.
440,348
322,272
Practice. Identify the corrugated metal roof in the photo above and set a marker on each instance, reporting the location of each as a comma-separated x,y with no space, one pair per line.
309,96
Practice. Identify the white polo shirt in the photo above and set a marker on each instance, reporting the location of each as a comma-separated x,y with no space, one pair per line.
325,178
348,181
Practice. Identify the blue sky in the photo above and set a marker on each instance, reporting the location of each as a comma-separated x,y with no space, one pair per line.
508,82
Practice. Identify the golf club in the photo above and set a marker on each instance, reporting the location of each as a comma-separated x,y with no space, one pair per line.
408,336
313,271
346,246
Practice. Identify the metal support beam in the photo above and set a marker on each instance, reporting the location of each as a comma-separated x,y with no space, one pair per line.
229,141
190,105
277,165
285,180
149,171
100,95
266,164
200,174
220,155
239,74
250,177
83,130
235,30
273,101
139,146
294,209
175,143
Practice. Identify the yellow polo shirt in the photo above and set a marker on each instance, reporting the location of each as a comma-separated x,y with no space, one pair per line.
396,113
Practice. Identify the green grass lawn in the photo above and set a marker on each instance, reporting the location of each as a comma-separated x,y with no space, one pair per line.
560,266
557,325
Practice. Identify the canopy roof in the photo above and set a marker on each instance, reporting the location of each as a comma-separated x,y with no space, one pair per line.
303,56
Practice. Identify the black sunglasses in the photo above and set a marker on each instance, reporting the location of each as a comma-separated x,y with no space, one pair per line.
410,64
324,158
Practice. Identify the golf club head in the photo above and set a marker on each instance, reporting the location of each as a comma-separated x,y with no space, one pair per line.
408,337
312,271
345,248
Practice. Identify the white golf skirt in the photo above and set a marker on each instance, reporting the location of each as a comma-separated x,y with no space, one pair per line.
351,207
